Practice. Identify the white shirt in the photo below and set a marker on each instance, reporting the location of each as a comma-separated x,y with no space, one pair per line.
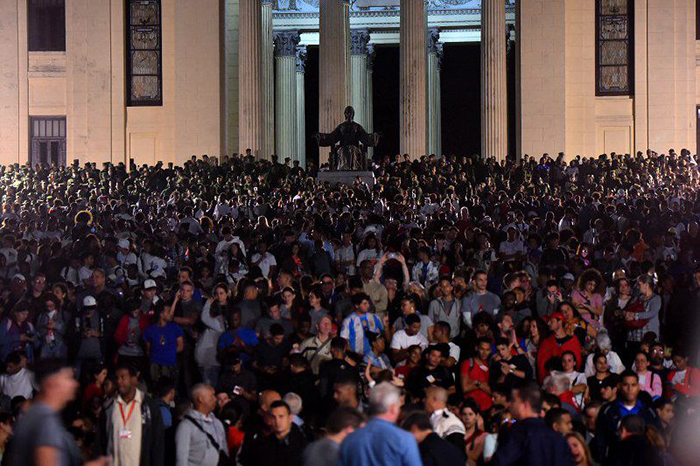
265,264
19,384
401,340
126,436
446,423
513,247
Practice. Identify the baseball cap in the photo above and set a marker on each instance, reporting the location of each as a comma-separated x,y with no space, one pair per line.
89,301
124,243
20,277
556,315
148,284
568,276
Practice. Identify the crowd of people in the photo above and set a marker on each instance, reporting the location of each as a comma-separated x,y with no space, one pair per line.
460,311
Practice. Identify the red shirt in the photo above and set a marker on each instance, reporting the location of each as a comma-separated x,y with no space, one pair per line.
479,372
553,348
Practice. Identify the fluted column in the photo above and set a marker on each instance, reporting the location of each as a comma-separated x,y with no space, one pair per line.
414,77
301,105
250,123
286,94
268,80
334,66
358,63
494,101
434,110
369,127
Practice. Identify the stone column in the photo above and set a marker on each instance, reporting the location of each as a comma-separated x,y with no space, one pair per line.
250,129
434,102
268,80
494,102
334,66
369,127
286,94
301,106
358,62
414,77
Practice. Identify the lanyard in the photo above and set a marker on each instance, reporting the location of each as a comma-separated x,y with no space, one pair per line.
128,416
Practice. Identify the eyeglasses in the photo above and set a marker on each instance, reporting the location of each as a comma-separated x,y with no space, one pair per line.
327,283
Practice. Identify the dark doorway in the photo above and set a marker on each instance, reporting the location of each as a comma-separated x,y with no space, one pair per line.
311,90
387,94
460,82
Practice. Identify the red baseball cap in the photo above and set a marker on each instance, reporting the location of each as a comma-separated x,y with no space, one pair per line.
556,315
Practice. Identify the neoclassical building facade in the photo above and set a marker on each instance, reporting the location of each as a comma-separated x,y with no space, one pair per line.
162,80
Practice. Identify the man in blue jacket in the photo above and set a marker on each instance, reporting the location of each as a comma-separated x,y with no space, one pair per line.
530,441
610,415
381,441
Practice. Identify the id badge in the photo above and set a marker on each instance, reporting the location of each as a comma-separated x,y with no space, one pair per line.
430,379
124,434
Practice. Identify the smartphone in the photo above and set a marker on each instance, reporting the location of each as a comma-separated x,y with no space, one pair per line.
237,390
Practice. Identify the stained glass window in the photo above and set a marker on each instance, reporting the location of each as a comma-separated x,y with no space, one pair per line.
144,57
614,47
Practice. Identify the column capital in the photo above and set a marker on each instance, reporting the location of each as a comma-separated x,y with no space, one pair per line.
433,39
285,43
266,2
301,58
371,54
359,38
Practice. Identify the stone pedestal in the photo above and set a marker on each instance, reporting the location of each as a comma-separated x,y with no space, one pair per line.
494,102
414,75
286,94
268,77
347,178
358,63
301,106
334,66
434,96
250,122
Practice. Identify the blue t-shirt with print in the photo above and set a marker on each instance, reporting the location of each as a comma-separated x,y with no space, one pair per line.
163,342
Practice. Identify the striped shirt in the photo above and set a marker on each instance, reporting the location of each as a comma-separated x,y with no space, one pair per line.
354,328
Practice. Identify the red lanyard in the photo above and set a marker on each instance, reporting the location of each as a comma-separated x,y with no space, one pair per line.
131,410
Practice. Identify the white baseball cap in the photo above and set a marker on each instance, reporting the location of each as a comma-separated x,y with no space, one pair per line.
89,301
123,243
20,277
568,276
148,284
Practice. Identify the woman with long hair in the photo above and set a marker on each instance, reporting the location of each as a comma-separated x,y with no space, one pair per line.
614,310
579,449
214,315
644,317
317,308
587,297
649,381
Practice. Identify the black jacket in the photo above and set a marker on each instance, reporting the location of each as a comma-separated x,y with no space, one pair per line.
634,451
435,451
608,422
531,442
270,451
152,432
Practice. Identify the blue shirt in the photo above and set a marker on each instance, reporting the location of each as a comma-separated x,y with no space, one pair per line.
355,328
245,336
379,442
163,342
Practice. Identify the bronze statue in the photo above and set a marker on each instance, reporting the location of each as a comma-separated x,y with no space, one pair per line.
348,143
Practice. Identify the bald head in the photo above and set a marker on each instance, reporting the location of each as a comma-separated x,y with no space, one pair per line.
267,398
435,398
203,398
